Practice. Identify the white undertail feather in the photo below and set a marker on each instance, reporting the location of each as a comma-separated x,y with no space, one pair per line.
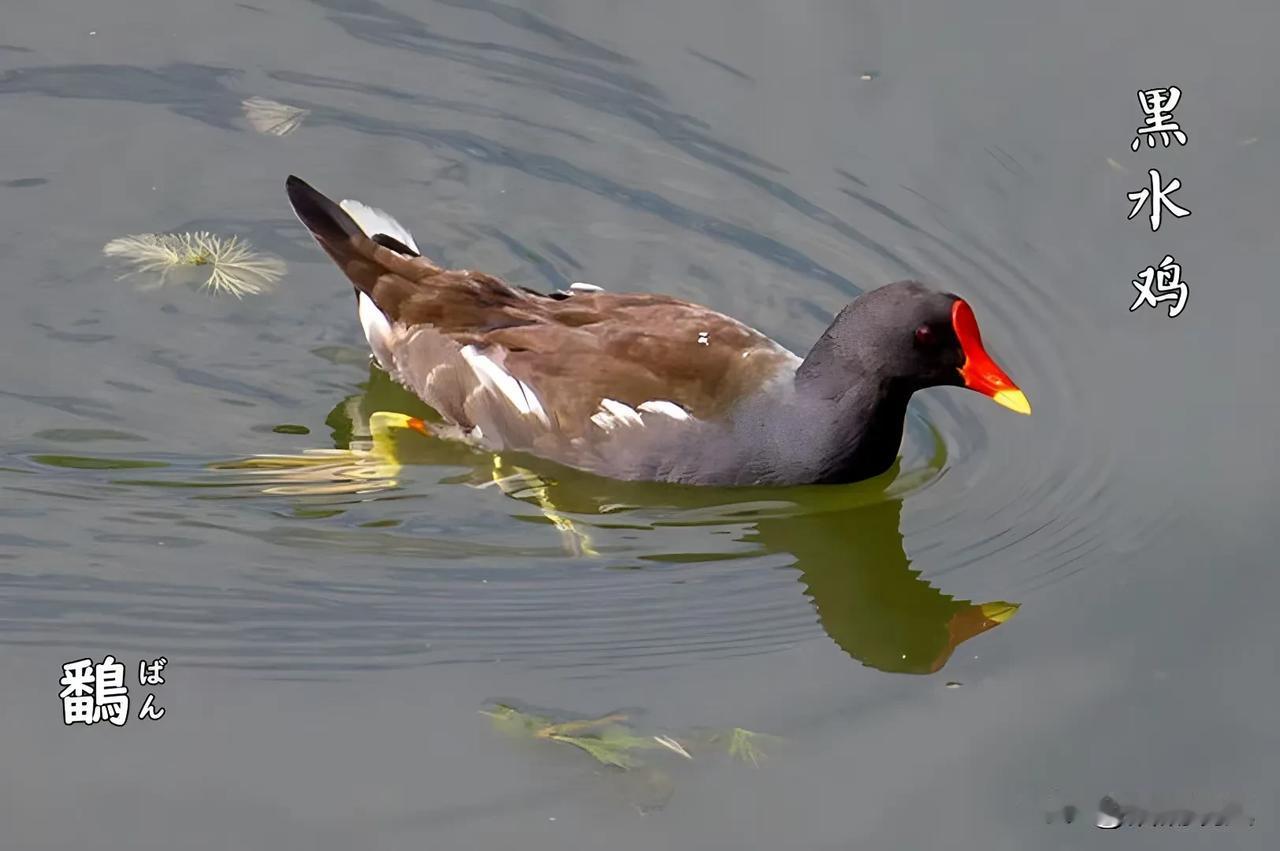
377,330
374,221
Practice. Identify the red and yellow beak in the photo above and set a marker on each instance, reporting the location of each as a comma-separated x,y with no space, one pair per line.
979,371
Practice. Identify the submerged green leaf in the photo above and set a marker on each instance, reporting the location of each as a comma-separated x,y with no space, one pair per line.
611,740
606,738
613,753
748,746
81,462
85,435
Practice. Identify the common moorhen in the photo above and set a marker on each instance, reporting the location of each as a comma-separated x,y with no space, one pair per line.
643,386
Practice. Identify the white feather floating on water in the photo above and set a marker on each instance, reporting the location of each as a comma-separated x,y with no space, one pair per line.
272,117
233,266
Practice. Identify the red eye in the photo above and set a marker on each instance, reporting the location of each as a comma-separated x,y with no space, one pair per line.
924,336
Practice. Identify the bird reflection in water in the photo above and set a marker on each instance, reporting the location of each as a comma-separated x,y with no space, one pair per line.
845,541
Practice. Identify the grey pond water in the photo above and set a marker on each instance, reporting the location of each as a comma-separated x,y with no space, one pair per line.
330,646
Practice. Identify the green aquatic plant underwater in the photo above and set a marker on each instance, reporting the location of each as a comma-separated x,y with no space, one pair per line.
612,740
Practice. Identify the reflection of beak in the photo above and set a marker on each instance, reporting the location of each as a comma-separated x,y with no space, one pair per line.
979,371
998,612
977,619
972,621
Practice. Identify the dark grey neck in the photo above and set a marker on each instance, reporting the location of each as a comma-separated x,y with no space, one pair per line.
860,414
860,431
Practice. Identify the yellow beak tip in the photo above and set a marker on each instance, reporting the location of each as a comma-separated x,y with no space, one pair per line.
999,611
1014,400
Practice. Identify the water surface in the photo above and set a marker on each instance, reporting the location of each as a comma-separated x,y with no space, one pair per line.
329,645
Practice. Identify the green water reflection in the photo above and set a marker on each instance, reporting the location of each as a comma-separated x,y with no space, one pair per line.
845,542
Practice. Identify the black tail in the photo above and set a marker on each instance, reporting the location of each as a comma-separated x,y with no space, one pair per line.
376,264
328,222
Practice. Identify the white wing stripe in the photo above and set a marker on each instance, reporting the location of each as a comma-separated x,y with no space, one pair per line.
624,414
614,414
661,406
498,380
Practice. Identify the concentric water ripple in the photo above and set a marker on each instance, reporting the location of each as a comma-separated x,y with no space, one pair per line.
675,573
336,560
